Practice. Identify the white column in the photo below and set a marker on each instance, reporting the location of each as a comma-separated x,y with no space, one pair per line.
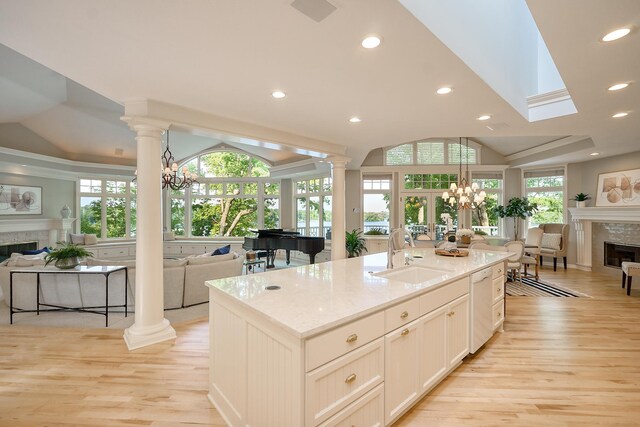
338,214
150,326
583,242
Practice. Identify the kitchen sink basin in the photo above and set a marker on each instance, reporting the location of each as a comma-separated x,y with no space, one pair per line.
411,274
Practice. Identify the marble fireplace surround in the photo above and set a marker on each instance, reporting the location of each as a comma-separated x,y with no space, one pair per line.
45,231
583,219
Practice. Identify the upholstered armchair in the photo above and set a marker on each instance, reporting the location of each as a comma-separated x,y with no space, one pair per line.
555,243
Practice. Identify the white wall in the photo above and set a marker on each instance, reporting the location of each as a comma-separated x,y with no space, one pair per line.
55,194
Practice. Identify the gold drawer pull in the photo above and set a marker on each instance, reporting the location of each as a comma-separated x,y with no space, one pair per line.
404,315
499,289
405,332
351,378
451,313
352,338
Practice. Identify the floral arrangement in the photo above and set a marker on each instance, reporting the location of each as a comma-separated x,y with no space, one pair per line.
465,232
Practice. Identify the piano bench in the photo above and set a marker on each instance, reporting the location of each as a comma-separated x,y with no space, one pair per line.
261,254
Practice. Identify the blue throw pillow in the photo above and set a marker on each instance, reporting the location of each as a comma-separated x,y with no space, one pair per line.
221,251
36,251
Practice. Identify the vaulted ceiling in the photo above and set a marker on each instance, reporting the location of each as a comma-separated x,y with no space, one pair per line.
68,67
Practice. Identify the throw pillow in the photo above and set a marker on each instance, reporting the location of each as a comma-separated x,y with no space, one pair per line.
90,239
77,239
221,251
551,241
36,251
210,259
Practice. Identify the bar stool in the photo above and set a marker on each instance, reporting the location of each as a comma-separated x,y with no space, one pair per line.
629,269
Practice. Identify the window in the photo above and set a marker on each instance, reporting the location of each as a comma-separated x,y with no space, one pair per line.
433,181
484,218
107,208
234,197
375,207
433,152
546,189
313,207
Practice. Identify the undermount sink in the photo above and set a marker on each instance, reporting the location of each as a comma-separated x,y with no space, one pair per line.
411,274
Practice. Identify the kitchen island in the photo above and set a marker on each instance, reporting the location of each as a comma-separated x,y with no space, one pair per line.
343,342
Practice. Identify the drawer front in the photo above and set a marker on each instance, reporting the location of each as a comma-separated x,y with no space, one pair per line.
401,314
368,411
333,344
170,249
441,296
498,314
121,252
333,386
498,270
498,289
193,249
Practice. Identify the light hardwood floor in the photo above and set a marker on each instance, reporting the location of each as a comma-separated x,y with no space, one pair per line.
560,361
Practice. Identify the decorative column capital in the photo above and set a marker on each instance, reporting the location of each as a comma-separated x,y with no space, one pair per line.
338,161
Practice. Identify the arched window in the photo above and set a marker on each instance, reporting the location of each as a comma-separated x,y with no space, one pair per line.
234,196
433,152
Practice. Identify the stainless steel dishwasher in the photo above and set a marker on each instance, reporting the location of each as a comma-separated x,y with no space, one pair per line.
481,314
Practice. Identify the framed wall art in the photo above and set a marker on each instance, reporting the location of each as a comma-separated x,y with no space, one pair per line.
619,188
20,200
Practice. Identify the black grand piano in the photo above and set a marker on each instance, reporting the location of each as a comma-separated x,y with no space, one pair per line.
272,239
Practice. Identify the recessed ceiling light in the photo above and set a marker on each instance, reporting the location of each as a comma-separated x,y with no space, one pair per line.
594,154
617,34
619,86
371,42
484,117
444,90
621,114
355,120
277,94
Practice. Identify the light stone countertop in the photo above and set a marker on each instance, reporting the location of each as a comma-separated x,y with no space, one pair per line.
315,298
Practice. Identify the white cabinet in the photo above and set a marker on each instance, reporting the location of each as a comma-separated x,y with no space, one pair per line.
499,305
376,244
419,354
401,359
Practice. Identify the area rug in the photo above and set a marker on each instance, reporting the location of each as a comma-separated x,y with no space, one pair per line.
536,288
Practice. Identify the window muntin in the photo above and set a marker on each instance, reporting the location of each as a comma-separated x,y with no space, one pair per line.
376,200
546,189
432,152
107,208
433,181
313,207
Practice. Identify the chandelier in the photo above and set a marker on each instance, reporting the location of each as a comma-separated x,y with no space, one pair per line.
170,177
464,195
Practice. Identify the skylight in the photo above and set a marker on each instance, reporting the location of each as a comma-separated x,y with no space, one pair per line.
501,43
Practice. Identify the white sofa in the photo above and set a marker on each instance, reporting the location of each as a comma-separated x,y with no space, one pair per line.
183,282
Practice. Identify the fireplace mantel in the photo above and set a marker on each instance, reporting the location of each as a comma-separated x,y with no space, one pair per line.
56,227
606,214
583,219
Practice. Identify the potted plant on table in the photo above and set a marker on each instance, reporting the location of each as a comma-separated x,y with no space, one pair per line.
581,200
355,243
66,255
464,235
517,208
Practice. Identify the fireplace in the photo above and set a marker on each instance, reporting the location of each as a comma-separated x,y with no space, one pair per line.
7,249
616,253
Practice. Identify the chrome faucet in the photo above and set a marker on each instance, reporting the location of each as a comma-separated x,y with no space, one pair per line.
396,244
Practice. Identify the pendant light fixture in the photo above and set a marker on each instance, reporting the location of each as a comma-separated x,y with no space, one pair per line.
170,177
463,194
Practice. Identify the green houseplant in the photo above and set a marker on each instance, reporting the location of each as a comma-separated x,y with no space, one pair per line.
355,243
581,199
66,255
516,208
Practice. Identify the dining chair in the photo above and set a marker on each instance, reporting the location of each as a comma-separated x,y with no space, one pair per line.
514,262
532,250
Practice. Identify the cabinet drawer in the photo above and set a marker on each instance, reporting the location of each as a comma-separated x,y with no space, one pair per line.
335,385
441,296
121,252
498,314
498,289
172,249
330,345
368,411
401,314
193,249
498,270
